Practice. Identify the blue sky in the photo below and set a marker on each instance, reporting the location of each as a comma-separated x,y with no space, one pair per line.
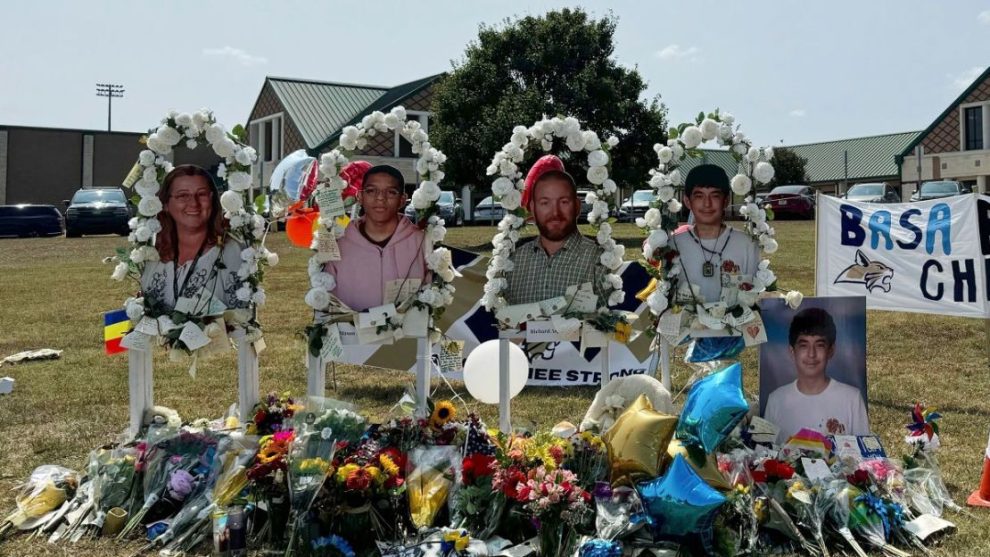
792,71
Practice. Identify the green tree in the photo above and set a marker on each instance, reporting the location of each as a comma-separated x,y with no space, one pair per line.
559,63
788,168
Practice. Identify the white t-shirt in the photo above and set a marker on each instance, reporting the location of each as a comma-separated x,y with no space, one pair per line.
838,410
734,255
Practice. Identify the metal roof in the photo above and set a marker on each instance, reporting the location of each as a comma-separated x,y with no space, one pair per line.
869,157
320,108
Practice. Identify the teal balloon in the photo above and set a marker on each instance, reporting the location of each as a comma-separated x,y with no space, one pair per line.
714,405
708,349
680,503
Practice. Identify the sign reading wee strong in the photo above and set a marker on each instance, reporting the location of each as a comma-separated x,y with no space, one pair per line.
930,257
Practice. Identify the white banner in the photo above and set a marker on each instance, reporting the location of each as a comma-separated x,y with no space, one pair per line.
551,364
925,257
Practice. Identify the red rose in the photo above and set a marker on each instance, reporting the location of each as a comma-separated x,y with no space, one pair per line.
777,470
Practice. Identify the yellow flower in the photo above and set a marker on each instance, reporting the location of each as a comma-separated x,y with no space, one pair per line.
345,471
443,412
459,538
794,488
389,465
375,473
313,466
760,510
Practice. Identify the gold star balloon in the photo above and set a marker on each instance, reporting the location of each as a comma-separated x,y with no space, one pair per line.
638,441
705,465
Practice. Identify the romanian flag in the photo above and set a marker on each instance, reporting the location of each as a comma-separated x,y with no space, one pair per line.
115,326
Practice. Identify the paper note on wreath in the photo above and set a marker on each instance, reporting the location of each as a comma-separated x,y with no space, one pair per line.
568,328
331,201
592,338
165,324
193,337
583,298
520,313
401,290
541,330
754,332
451,356
136,340
148,326
376,316
326,244
553,306
186,305
332,348
415,322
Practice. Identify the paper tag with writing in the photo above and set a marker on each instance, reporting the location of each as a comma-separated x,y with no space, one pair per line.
754,332
332,349
135,340
584,299
669,324
541,330
592,338
370,335
451,356
375,317
816,469
519,313
216,307
568,329
259,346
186,305
415,322
330,200
348,334
553,305
326,244
193,337
399,290
165,324
148,326
926,525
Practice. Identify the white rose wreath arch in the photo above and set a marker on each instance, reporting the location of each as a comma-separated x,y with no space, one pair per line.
245,225
439,292
507,189
663,262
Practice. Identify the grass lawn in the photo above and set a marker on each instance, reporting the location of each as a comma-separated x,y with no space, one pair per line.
52,293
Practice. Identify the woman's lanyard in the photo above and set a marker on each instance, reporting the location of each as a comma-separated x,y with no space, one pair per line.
176,290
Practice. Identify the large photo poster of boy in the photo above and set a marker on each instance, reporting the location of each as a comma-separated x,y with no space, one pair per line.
813,366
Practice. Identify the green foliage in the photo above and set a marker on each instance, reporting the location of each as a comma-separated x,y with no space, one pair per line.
240,133
789,168
558,63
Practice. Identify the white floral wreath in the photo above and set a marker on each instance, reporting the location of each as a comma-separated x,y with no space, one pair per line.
246,226
661,219
439,293
508,188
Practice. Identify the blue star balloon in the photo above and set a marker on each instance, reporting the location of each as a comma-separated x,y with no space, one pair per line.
713,407
708,349
680,503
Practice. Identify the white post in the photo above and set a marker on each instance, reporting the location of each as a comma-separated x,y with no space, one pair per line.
140,383
316,375
424,361
606,368
504,418
665,364
248,385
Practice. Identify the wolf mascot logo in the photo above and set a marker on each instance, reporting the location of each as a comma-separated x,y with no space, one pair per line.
872,274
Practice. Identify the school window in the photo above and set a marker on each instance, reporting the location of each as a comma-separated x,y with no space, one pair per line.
266,138
973,121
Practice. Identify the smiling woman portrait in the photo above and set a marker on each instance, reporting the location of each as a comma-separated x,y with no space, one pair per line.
197,261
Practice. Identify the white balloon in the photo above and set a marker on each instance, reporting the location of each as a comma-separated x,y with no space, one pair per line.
481,371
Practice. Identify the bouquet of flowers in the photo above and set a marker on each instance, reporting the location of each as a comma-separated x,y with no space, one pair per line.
809,504
587,457
112,473
432,473
271,413
558,506
875,520
268,481
45,491
922,464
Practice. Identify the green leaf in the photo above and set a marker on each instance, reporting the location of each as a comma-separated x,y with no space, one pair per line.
672,133
701,116
135,199
259,203
240,133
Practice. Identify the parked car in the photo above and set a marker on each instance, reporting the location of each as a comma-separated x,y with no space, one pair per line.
488,210
585,206
942,188
873,193
450,209
30,220
97,211
795,200
635,206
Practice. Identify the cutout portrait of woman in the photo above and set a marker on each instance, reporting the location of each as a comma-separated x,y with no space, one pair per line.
198,262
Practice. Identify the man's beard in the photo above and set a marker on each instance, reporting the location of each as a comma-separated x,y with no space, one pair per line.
569,229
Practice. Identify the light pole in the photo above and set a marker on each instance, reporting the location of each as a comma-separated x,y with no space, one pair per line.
110,91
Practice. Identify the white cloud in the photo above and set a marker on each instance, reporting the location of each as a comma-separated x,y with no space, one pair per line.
984,17
677,52
797,113
966,78
238,55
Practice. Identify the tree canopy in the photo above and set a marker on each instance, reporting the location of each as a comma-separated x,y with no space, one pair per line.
560,63
789,168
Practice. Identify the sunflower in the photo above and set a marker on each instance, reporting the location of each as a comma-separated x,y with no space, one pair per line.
443,412
389,465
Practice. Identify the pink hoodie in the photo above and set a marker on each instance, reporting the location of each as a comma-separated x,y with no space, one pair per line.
364,268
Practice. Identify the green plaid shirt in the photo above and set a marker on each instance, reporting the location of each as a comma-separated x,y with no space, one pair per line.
538,276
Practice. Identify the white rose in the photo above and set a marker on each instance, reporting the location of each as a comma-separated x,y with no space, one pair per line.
242,156
597,174
674,206
652,217
793,299
146,158
591,141
399,112
149,206
657,302
612,141
511,200
133,223
324,281
656,240
169,135
154,226
134,308
678,150
727,118
243,293
768,153
258,298
665,154
675,177
763,172
597,158
225,148
146,188
691,137
239,181
709,129
317,298
231,201
741,184
571,126
725,132
769,245
740,149
616,297
430,189
272,259
419,200
137,255
610,186
765,275
157,145
665,193
576,141
120,271
142,234
753,154
191,144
